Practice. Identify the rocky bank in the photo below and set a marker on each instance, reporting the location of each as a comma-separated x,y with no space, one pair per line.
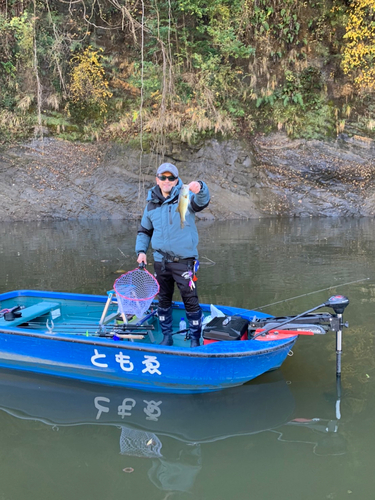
261,177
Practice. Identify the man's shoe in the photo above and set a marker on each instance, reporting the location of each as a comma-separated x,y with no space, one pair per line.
167,340
194,342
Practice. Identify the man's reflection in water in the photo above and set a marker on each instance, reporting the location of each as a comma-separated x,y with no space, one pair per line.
178,474
169,473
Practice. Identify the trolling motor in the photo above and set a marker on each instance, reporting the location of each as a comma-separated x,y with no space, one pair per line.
338,303
317,323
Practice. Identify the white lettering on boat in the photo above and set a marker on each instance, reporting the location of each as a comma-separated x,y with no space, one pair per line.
152,364
98,356
124,361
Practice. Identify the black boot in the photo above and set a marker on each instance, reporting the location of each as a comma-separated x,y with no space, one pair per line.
195,327
165,322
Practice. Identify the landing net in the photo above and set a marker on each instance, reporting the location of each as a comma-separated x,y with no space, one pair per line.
135,291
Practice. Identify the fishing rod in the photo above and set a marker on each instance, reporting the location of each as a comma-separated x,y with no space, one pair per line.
309,293
90,325
82,333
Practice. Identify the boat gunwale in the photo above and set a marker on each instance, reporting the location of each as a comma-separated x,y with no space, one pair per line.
44,293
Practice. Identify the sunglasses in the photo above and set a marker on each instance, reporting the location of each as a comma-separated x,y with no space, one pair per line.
165,177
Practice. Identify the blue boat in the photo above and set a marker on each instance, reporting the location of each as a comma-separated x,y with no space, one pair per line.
84,337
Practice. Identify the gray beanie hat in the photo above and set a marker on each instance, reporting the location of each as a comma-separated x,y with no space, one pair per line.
167,167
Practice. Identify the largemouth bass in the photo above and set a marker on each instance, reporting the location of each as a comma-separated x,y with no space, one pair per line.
183,202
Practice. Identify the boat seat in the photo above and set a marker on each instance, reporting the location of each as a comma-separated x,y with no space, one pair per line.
31,312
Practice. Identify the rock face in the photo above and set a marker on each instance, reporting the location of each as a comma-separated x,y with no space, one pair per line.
263,177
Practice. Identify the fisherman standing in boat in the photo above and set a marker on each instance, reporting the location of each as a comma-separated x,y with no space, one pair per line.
168,222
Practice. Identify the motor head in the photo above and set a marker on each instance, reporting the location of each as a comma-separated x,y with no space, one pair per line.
338,303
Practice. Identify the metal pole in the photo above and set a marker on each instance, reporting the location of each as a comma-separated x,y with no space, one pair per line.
339,345
338,397
106,307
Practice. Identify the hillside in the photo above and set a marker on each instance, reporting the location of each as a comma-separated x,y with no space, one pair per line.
146,72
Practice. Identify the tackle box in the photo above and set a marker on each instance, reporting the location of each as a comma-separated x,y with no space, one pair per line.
225,328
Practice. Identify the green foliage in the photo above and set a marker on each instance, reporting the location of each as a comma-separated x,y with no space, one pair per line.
14,126
16,74
57,122
299,106
281,23
16,45
187,69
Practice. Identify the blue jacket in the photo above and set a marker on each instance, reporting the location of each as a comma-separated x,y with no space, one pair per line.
161,223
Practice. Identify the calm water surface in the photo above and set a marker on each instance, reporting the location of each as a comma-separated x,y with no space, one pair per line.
283,436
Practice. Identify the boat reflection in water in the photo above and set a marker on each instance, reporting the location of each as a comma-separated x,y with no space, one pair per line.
147,421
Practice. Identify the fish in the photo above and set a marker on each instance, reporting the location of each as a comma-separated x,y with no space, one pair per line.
183,202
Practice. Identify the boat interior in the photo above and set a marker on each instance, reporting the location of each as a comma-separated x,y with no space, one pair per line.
98,318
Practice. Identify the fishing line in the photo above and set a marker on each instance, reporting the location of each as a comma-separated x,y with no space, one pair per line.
141,178
310,293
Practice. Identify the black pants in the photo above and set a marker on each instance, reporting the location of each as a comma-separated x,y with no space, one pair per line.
173,274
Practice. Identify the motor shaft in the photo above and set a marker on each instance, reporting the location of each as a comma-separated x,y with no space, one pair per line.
339,345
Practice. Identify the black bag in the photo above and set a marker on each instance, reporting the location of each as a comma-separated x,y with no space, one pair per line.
226,328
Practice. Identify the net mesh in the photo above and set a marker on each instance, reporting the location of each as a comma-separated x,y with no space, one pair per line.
139,443
135,291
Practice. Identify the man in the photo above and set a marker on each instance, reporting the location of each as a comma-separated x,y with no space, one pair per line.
174,245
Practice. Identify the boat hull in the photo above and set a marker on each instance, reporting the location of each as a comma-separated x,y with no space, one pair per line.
139,367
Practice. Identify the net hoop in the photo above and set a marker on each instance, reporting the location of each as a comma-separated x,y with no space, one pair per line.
135,291
126,280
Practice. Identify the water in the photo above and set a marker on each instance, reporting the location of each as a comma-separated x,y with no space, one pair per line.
285,435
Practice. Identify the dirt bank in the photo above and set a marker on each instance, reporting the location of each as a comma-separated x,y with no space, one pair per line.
265,176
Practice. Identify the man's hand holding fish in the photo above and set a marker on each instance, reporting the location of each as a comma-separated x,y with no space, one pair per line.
195,187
